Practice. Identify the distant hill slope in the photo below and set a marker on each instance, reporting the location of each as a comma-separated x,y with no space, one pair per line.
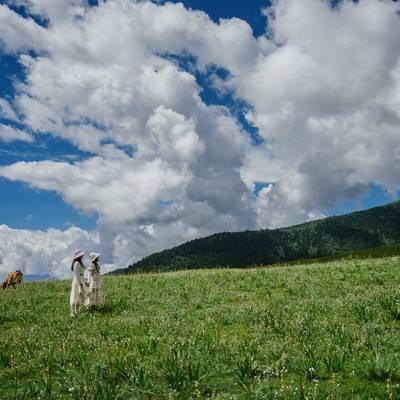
334,235
387,250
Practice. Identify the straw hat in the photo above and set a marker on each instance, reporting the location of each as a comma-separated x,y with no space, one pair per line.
94,256
78,254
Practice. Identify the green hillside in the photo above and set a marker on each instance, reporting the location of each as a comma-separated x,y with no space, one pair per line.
375,252
330,236
329,331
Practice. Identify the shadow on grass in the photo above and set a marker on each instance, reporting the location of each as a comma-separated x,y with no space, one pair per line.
106,309
4,319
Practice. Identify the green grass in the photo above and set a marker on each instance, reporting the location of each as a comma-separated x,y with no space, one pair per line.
375,252
328,331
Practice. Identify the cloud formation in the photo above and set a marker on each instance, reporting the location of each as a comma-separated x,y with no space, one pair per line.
326,102
42,252
322,85
9,134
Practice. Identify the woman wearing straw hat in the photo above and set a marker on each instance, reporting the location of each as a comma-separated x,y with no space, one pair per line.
94,298
78,288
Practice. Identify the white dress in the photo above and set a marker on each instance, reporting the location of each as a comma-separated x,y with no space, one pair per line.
78,284
94,298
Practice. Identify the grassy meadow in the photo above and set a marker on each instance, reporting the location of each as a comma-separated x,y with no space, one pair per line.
326,331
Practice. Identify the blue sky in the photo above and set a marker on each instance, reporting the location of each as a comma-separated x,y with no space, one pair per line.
24,208
129,127
246,10
34,209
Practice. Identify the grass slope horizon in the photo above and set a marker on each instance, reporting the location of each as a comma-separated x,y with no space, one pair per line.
357,231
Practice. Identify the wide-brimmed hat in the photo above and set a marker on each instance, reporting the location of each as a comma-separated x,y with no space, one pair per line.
78,254
94,256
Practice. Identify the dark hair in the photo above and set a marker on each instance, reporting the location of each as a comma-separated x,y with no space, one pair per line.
79,261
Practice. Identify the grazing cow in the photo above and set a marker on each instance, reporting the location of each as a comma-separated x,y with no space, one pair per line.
13,278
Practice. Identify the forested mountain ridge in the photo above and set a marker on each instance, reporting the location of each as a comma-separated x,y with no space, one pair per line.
333,235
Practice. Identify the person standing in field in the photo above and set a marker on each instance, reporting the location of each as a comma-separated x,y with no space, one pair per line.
94,298
78,288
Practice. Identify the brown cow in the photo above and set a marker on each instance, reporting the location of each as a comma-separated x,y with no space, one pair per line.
13,278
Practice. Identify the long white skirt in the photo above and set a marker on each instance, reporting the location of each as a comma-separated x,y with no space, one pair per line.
77,295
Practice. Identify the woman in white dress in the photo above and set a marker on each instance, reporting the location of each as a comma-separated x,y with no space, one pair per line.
94,298
78,288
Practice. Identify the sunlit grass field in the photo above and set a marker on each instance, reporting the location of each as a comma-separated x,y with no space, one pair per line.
326,331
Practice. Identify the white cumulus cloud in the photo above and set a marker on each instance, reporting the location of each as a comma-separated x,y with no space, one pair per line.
9,134
42,252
